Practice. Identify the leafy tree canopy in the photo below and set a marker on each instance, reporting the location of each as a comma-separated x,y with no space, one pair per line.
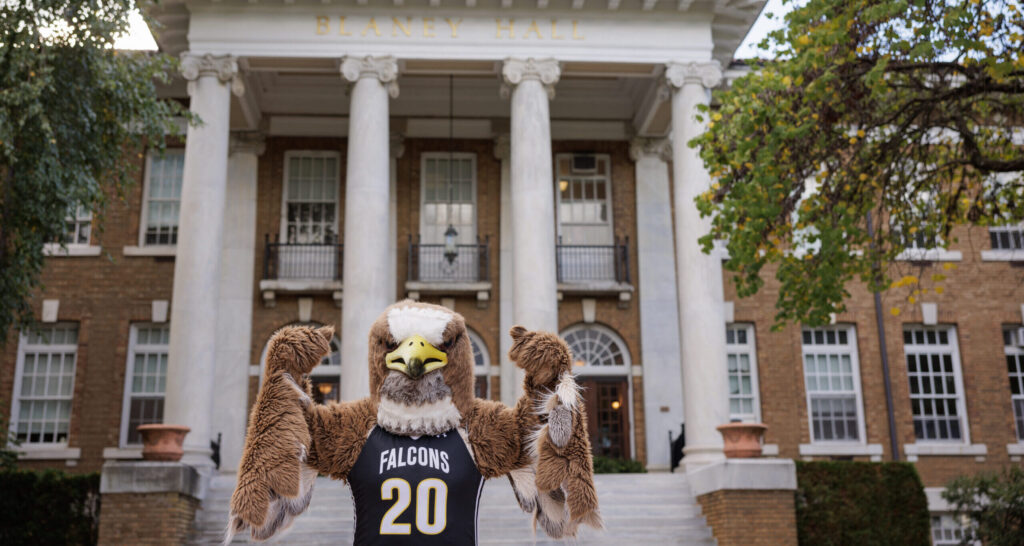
72,108
992,505
877,123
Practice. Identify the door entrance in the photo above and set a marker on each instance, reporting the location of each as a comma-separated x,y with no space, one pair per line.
607,415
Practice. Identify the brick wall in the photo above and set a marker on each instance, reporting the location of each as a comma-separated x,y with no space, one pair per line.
146,518
750,518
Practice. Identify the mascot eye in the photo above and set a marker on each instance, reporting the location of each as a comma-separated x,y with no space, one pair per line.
389,344
446,345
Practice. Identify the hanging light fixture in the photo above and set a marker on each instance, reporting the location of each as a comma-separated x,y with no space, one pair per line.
451,250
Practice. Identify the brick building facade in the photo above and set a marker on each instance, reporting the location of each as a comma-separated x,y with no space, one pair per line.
615,278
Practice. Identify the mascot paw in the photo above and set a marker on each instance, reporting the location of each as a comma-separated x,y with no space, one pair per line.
543,355
298,349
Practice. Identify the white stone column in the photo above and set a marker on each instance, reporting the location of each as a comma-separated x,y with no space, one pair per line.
367,213
699,276
234,313
535,292
658,301
397,150
511,376
193,347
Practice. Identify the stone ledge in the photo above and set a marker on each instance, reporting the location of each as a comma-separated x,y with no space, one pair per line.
150,250
150,477
930,255
1015,451
935,501
47,453
913,451
72,250
121,453
1002,255
743,474
842,450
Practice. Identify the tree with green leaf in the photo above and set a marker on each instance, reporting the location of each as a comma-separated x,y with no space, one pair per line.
992,505
877,123
72,109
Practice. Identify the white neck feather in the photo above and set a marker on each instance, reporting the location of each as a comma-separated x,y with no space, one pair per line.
426,419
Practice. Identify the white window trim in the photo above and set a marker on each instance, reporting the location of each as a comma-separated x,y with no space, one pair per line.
608,192
122,442
47,452
423,186
155,250
937,254
56,250
944,449
40,450
486,368
842,449
1013,350
851,336
597,371
288,155
1002,255
961,399
750,346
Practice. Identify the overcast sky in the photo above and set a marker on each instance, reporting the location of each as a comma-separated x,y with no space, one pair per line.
141,38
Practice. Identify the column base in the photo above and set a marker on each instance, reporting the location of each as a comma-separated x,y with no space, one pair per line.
695,457
148,502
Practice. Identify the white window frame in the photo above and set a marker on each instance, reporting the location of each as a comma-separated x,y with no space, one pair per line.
937,253
23,347
144,212
481,370
317,154
1015,349
1003,254
750,349
133,346
457,156
64,248
826,349
608,192
958,382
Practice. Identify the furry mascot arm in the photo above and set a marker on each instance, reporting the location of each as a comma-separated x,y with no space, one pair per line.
541,443
286,442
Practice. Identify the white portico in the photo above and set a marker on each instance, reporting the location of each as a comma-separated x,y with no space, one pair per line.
524,75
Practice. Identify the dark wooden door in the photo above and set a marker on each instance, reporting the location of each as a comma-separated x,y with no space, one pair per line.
607,402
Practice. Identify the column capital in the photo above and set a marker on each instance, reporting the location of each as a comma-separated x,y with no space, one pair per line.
708,74
248,142
503,146
547,71
223,67
384,69
642,147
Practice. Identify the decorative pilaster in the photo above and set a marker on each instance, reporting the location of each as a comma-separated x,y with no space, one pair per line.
658,301
192,356
699,276
383,69
532,193
511,378
396,151
368,286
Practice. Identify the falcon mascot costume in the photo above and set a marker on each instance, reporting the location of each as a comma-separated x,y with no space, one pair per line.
416,451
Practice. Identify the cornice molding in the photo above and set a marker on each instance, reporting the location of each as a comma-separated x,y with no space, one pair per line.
515,71
642,147
708,74
248,142
384,69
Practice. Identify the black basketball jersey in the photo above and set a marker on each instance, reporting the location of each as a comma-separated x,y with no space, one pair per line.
422,491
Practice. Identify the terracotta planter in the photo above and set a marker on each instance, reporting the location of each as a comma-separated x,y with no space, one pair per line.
162,442
742,440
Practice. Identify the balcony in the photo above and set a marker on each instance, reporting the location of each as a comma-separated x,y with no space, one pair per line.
595,270
301,268
431,272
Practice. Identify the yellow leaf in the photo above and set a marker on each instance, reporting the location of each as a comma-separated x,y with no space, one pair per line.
939,289
860,133
804,40
895,311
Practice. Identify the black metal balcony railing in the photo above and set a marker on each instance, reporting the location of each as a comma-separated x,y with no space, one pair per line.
318,261
587,263
427,263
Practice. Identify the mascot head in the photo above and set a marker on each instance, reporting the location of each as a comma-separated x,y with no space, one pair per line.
421,368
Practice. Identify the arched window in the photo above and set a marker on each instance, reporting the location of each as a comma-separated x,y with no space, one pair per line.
596,349
481,365
326,377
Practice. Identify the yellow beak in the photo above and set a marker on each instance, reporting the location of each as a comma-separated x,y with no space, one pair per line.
415,356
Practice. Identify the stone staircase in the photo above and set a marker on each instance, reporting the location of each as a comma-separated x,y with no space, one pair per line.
637,509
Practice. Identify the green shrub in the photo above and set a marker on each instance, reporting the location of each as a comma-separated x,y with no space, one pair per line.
993,503
49,507
840,503
608,465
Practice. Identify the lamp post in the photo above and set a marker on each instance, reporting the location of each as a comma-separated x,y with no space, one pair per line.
450,250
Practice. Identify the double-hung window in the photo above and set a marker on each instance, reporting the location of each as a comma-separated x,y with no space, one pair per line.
832,381
309,217
448,199
1007,237
936,388
44,384
145,380
78,226
162,197
1013,346
741,363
